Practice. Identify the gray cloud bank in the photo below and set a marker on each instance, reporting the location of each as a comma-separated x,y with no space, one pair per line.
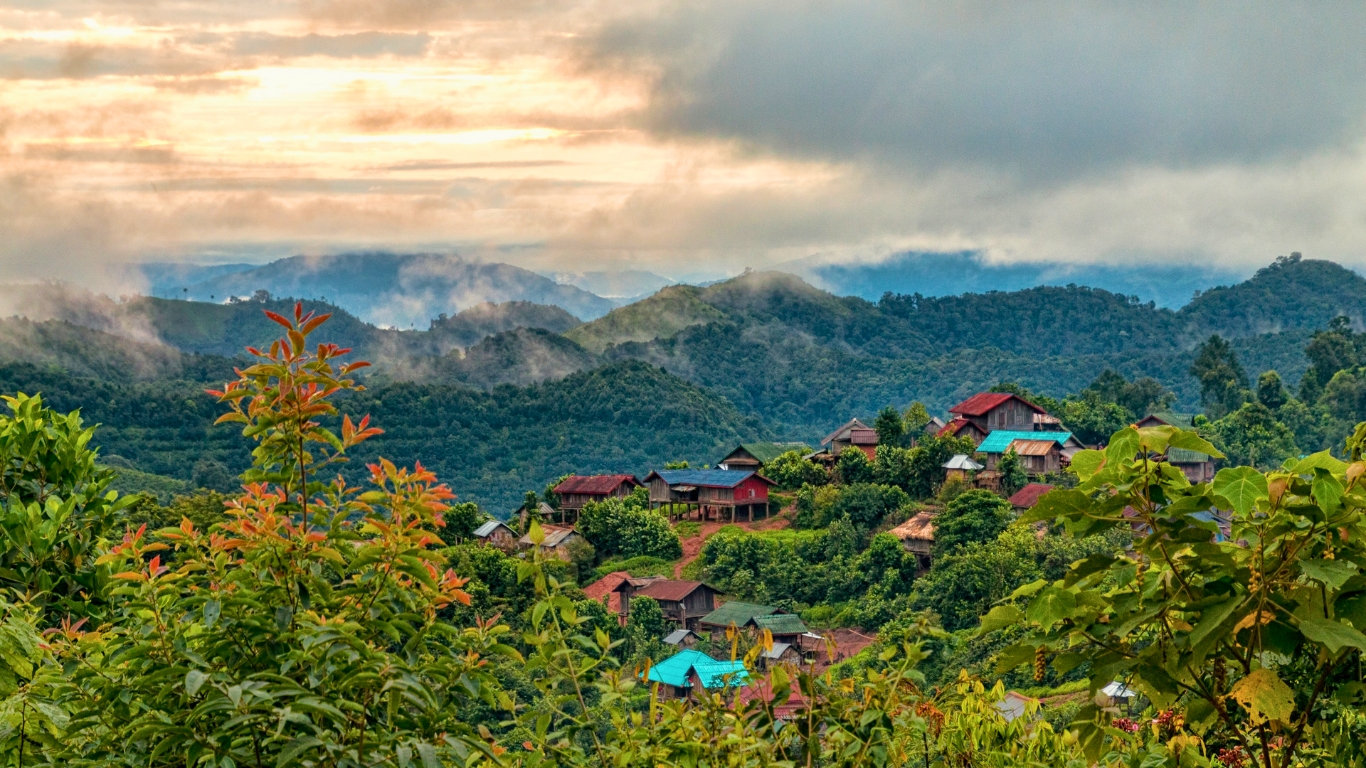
1043,90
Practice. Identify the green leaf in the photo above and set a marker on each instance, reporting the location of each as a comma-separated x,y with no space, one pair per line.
999,617
1058,503
1264,696
428,754
212,610
1087,463
1014,656
1242,486
1333,634
1123,446
1051,606
1333,573
194,680
1320,460
1328,490
1213,617
1193,442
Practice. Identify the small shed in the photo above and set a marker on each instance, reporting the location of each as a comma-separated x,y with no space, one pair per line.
557,541
917,537
690,670
1117,694
781,653
682,638
496,533
1014,705
958,467
1038,457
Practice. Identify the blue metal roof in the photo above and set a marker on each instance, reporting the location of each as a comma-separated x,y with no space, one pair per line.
1000,440
712,478
676,670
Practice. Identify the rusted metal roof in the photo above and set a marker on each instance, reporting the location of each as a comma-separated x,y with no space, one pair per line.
953,426
982,402
1028,496
863,436
595,485
606,587
672,590
1032,447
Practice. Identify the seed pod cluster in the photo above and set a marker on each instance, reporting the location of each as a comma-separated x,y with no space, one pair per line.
1040,662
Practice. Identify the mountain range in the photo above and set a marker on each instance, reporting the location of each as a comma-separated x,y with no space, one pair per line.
675,375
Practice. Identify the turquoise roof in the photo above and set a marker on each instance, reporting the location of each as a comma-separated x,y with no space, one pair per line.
1000,440
677,669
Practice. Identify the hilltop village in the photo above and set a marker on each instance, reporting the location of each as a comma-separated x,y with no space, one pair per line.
994,447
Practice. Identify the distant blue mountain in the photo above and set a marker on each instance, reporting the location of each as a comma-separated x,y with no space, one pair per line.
948,274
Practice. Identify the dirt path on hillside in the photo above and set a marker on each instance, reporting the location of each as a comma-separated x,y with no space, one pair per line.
692,546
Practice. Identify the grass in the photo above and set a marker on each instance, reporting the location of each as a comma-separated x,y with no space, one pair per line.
636,566
688,529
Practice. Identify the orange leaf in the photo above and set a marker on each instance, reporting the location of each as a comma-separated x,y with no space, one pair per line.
279,319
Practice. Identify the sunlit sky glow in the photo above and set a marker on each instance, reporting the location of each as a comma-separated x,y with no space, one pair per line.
685,138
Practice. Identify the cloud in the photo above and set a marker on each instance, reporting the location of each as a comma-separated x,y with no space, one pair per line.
1047,92
356,45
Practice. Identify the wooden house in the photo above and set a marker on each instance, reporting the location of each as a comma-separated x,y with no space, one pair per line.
784,627
604,591
1039,452
988,412
1198,467
577,490
496,533
712,493
752,457
557,541
917,537
780,653
734,613
1024,499
684,602
852,434
960,427
690,671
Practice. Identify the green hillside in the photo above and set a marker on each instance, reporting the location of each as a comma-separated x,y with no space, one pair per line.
490,446
658,317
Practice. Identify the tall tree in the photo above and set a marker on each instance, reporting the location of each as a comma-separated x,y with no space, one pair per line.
1271,390
1223,383
890,428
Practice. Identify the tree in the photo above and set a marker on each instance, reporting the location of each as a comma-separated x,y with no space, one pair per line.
916,418
1013,476
1242,637
890,428
1252,436
1139,397
56,511
791,470
975,516
1092,419
867,504
965,582
617,527
212,475
1335,349
1223,384
195,662
461,520
1271,391
853,466
927,462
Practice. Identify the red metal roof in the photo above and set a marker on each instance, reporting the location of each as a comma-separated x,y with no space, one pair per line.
607,587
598,485
982,402
1029,495
672,590
953,427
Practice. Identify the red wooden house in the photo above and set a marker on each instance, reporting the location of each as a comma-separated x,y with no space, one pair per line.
986,412
711,492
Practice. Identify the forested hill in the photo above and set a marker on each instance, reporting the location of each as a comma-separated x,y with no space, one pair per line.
490,446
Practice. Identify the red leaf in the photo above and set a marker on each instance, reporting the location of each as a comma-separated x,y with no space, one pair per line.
314,323
279,319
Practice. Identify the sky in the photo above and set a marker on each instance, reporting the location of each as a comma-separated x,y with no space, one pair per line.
679,137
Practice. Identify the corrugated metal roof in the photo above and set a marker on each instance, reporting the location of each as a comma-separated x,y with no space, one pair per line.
675,669
487,529
711,478
964,462
777,652
737,613
954,426
721,674
848,425
1033,447
678,635
982,402
554,536
766,452
598,485
1029,495
607,587
780,623
672,590
863,436
1186,456
999,441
